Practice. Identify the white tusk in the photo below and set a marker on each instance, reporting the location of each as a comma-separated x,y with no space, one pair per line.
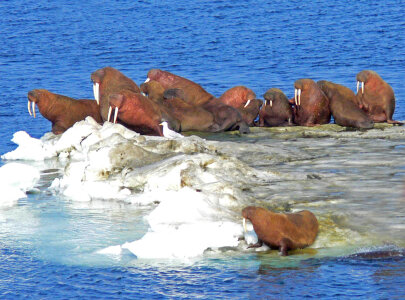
109,114
29,108
33,109
271,103
295,97
244,225
115,115
265,102
143,94
96,92
147,80
247,103
362,87
299,97
358,83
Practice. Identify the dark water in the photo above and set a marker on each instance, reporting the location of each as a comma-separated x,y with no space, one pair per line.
218,44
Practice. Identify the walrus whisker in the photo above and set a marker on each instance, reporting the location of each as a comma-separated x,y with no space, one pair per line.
109,114
115,115
33,109
244,224
247,103
29,108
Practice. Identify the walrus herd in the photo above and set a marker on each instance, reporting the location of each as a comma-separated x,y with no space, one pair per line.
186,106
183,105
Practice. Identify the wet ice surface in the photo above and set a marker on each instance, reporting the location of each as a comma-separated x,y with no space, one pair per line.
154,198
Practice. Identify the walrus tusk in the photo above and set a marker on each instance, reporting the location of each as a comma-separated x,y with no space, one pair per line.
299,97
147,80
109,114
358,83
247,103
244,224
265,103
29,108
143,94
115,115
362,87
271,103
96,89
33,109
295,97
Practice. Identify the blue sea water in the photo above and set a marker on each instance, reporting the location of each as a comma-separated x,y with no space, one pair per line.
219,44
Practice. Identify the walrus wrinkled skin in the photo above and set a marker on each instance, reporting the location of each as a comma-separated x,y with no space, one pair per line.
312,108
63,111
276,110
376,97
225,117
342,105
282,231
244,100
193,93
110,81
140,114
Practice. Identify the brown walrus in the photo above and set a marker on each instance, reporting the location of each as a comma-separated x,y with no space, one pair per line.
376,97
342,103
311,104
107,81
61,110
153,90
276,110
282,231
194,93
225,117
244,100
139,113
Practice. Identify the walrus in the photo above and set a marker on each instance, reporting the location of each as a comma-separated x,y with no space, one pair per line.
225,117
282,231
107,81
153,90
342,103
61,110
244,100
191,117
376,97
193,93
311,105
139,113
276,110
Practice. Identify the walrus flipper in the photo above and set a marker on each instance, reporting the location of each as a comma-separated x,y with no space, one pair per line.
285,245
257,245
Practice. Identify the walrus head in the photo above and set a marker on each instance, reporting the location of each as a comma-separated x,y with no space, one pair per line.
248,212
362,78
274,95
33,98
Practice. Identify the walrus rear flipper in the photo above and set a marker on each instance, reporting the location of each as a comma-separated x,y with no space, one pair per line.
395,122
